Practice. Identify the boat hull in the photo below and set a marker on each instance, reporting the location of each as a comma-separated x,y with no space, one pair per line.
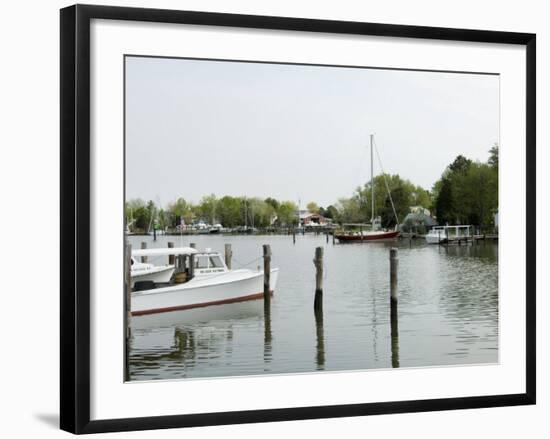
434,239
367,237
238,286
157,275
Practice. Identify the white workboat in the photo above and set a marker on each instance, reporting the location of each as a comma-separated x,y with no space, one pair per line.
443,234
212,284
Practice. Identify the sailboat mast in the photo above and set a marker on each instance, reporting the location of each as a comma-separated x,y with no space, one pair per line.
372,181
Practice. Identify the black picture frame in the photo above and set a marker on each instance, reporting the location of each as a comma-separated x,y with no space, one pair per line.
75,217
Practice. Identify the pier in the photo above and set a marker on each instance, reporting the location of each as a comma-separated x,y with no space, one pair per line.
469,239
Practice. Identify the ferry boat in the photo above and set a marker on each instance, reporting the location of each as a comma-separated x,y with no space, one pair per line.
210,283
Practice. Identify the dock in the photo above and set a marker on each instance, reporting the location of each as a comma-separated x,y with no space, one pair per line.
469,239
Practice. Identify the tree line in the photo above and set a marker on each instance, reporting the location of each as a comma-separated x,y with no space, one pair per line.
466,193
228,210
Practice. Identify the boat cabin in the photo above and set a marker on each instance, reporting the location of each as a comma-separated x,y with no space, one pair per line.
189,264
208,263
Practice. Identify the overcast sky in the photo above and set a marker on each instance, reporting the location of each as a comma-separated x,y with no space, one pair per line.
295,132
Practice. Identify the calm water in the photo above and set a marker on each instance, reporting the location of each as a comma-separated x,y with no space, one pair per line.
447,314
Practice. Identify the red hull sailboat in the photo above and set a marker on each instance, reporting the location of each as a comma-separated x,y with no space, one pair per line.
367,236
371,235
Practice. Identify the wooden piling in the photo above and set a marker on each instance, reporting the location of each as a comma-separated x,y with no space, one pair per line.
171,258
191,270
267,272
394,335
228,255
144,246
319,329
318,262
394,262
267,330
128,306
192,262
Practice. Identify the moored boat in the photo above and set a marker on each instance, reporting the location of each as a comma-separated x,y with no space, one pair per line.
211,284
446,234
141,272
375,234
144,272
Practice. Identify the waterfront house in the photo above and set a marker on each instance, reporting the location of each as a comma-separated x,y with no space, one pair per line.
313,219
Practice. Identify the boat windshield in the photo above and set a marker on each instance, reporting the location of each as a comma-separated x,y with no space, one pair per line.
208,261
216,261
201,262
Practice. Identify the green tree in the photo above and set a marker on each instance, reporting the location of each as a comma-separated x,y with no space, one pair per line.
422,197
403,193
444,205
401,197
480,192
136,214
493,156
312,207
467,193
141,219
330,212
162,218
286,213
272,202
260,212
178,210
349,210
152,210
207,208
460,165
229,211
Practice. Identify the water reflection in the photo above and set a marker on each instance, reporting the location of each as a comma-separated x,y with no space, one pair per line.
320,334
448,313
394,335
267,332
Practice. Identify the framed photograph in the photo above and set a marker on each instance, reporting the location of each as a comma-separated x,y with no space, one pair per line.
274,218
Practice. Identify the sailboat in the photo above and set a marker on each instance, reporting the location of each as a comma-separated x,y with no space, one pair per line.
370,235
